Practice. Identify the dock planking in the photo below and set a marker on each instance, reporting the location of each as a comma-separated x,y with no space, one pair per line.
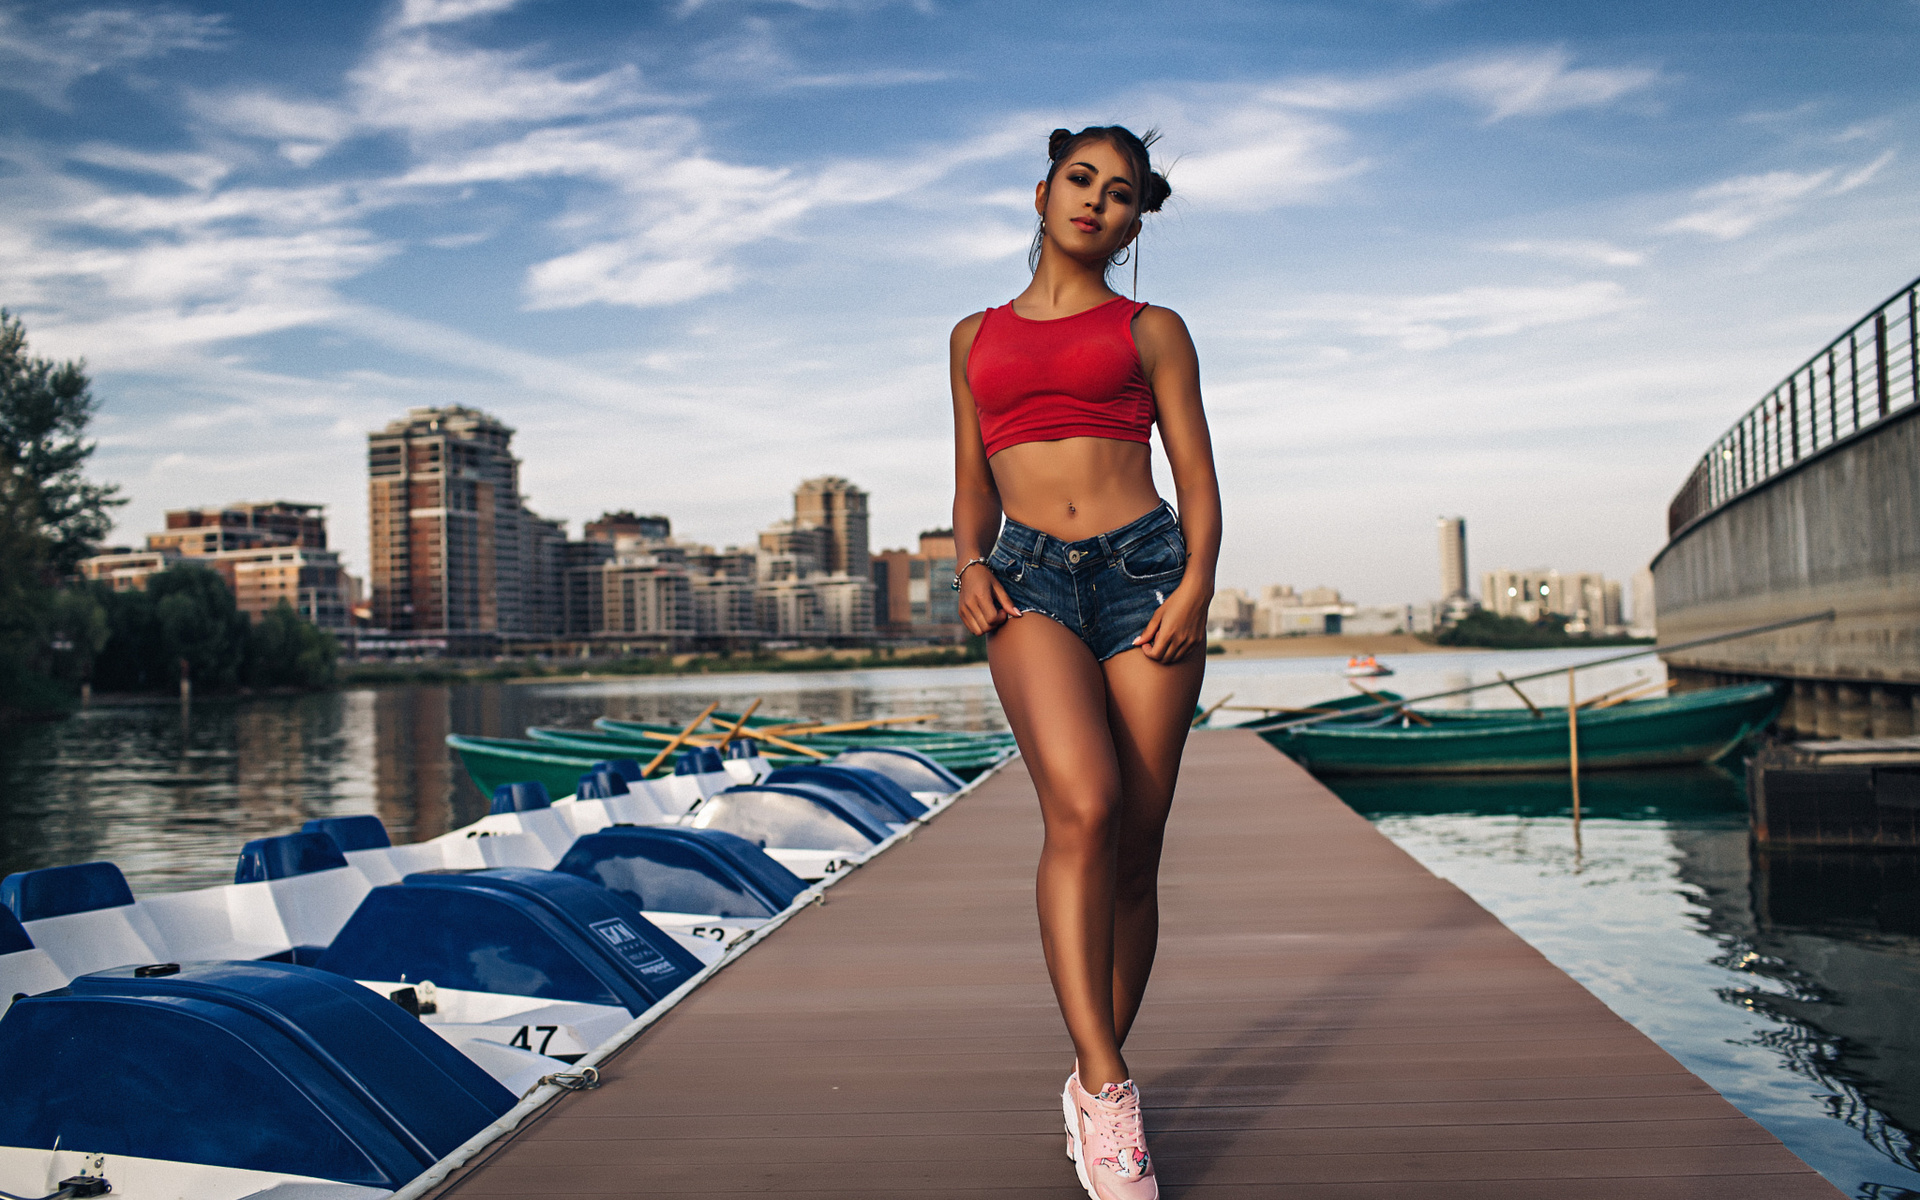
1327,1019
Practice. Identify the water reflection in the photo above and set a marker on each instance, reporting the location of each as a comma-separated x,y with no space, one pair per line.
1297,682
1790,981
1831,942
170,794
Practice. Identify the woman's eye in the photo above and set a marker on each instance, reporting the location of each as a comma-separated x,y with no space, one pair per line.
1079,180
1121,198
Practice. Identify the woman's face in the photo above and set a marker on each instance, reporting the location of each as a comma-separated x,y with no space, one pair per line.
1092,207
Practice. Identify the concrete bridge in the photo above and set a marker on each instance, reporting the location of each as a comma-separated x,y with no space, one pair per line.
1810,502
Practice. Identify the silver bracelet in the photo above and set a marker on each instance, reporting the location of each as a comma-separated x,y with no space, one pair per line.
962,572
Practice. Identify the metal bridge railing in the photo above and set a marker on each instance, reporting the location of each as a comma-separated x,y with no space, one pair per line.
1859,379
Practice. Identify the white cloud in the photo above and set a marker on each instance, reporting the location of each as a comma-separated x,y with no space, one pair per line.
982,243
43,57
1736,207
1541,83
926,7
756,59
1437,320
416,83
1585,251
1256,156
1265,147
266,115
197,171
415,13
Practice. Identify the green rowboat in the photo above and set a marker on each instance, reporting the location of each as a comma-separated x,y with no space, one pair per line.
494,761
1694,727
958,757
558,761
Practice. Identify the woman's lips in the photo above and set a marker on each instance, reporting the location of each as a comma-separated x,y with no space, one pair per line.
1087,225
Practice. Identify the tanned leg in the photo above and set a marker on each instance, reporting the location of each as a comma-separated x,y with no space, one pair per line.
1150,712
1055,697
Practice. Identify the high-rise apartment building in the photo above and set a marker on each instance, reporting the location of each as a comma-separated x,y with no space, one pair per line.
1644,617
1229,614
309,581
455,551
1453,558
913,592
832,504
789,550
1589,600
243,525
267,551
615,525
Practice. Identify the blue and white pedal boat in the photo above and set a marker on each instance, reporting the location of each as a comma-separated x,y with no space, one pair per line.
518,944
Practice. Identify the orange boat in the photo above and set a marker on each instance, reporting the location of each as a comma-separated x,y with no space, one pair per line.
1363,665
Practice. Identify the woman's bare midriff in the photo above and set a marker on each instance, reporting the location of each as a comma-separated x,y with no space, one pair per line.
1076,487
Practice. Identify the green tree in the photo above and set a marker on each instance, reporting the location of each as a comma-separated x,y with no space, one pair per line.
198,623
77,630
44,410
1483,628
286,650
185,613
24,601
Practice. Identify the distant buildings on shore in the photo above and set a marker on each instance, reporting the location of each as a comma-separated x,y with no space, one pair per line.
462,565
1281,611
1453,559
267,551
1588,601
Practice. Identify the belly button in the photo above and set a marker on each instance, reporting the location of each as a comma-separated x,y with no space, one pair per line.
1071,510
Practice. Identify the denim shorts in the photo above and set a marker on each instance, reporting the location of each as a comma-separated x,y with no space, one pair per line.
1103,588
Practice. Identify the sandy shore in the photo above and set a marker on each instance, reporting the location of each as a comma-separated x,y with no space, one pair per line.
1324,645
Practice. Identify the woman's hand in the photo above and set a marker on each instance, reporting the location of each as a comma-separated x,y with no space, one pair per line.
1176,627
984,604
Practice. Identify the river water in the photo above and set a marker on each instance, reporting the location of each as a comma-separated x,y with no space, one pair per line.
1791,983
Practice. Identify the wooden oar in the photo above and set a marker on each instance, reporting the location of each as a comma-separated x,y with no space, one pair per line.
784,744
1216,708
1591,701
1652,687
1404,710
813,727
674,743
1573,746
1271,708
1531,706
735,727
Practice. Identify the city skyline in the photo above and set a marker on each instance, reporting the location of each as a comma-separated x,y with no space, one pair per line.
1520,263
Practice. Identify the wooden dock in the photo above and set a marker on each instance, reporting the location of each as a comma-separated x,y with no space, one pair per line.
1327,1019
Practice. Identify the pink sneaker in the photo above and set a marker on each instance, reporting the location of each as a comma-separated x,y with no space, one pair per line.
1107,1141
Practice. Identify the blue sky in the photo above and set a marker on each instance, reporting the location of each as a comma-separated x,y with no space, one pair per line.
1516,261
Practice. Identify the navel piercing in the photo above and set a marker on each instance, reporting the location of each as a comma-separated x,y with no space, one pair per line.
1071,510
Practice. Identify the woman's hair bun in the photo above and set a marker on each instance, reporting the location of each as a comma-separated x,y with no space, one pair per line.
1057,143
1155,193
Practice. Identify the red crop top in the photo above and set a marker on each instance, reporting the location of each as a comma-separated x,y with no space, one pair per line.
1077,376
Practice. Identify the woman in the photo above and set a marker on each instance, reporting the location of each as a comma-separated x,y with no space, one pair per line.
1093,597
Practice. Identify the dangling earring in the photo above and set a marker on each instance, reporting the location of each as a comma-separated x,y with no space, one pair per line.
1123,257
1136,273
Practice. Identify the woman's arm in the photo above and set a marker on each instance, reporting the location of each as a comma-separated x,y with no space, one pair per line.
984,604
1173,371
